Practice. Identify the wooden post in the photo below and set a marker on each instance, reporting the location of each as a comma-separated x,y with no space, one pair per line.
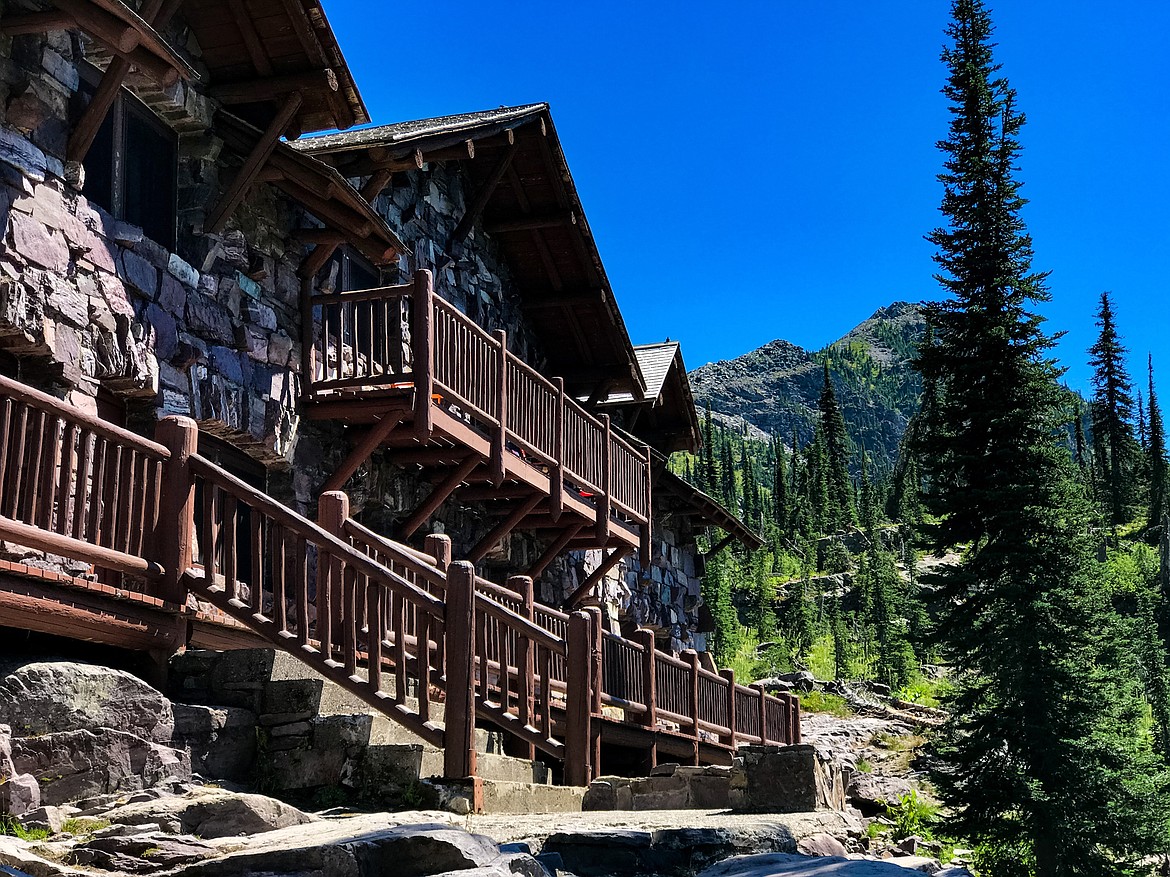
647,527
763,712
795,736
438,546
603,501
645,638
174,536
556,472
422,341
692,658
596,686
332,512
729,675
459,755
578,718
500,436
526,657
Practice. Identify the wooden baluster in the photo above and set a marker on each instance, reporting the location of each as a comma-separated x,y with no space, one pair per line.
124,507
332,513
762,704
68,484
729,677
545,657
526,658
211,533
423,659
48,500
142,500
83,489
423,344
301,591
556,472
398,624
349,613
459,757
256,573
578,731
343,311
483,676
174,534
97,491
19,461
279,571
29,513
230,560
6,407
692,659
376,632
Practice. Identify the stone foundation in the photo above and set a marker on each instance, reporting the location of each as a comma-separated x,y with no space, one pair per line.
786,779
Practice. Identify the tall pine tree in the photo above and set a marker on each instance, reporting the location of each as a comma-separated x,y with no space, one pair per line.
841,511
1113,415
1158,465
1044,753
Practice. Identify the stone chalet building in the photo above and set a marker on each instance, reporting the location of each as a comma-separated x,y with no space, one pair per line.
415,313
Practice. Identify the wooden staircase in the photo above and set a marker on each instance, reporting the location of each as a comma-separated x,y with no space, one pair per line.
399,628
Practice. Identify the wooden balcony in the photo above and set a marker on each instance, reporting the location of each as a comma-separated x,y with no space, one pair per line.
441,393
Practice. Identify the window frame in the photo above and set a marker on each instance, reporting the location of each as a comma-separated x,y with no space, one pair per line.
128,103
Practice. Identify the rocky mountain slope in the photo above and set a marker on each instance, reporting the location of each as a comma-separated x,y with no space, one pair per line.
773,390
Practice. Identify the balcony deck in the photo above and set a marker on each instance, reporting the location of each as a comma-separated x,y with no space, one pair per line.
442,394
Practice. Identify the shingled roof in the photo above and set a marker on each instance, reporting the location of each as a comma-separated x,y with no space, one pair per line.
519,181
667,419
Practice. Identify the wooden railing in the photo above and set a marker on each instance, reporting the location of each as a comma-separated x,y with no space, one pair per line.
407,337
396,626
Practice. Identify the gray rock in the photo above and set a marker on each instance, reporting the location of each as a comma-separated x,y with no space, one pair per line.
17,151
71,765
20,794
139,273
48,697
869,791
220,740
210,812
821,845
140,853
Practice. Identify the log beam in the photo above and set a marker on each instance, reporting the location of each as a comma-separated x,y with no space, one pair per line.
530,222
324,251
475,208
255,162
438,496
613,559
502,529
553,551
361,452
274,87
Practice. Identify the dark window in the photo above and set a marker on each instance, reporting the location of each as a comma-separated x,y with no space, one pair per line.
349,271
130,169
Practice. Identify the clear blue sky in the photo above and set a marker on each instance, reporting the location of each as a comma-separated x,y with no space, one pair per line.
755,171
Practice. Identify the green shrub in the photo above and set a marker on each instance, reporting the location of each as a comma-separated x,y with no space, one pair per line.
912,816
821,702
9,827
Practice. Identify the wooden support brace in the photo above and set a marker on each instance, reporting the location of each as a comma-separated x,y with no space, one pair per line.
502,529
459,756
438,496
721,544
259,156
557,546
613,559
361,452
479,202
330,240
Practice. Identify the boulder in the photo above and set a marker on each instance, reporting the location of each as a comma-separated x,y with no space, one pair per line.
869,792
17,859
220,740
209,812
923,864
19,794
45,697
821,845
139,853
71,765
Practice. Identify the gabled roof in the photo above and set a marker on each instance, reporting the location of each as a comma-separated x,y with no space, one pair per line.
706,508
668,421
513,163
258,52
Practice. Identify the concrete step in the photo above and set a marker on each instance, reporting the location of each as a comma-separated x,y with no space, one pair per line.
511,797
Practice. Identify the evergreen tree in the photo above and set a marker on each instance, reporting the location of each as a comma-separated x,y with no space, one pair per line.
1158,465
1113,414
710,477
727,489
841,511
1044,753
780,500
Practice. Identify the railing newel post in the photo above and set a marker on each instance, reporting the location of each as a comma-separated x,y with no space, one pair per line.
795,735
500,435
423,343
526,659
459,755
556,472
692,658
438,546
647,533
174,534
578,731
332,512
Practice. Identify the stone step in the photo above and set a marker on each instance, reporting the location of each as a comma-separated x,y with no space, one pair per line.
512,797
